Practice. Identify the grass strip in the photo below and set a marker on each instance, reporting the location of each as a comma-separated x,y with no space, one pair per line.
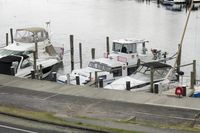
49,118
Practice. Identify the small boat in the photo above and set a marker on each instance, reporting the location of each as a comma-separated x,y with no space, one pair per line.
124,60
141,77
20,54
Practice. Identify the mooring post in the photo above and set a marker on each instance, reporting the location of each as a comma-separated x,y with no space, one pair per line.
90,76
100,82
194,70
128,85
178,62
80,55
7,39
77,80
54,76
192,80
156,88
184,90
152,73
72,51
96,79
11,35
68,79
32,74
36,50
12,70
34,61
107,46
93,53
41,73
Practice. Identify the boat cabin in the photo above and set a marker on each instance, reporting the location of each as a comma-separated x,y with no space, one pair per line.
128,46
31,35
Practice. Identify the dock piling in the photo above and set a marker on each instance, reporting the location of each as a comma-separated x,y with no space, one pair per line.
77,80
80,55
11,35
192,80
194,70
107,45
12,70
96,79
68,79
6,39
93,53
54,76
72,51
151,80
32,74
100,82
128,85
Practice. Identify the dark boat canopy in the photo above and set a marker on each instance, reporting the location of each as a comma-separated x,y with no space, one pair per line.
13,58
156,65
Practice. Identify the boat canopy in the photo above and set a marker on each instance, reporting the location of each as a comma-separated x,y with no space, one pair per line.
156,65
32,29
13,58
31,35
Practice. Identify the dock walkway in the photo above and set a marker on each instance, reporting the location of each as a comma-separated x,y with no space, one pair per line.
99,93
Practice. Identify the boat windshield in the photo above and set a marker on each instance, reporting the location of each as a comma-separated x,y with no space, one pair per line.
5,52
30,37
158,72
100,66
125,48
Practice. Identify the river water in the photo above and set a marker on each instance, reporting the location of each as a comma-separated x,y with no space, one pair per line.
90,21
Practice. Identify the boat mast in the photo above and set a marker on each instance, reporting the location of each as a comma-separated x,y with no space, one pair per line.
179,51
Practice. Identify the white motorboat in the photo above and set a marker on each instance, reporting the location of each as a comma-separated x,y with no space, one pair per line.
141,77
123,60
20,53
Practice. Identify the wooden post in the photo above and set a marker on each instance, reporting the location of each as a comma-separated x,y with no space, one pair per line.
77,80
151,81
107,46
93,53
32,74
100,82
178,62
12,70
156,88
68,79
96,79
6,39
34,62
194,70
184,90
41,73
192,80
72,51
128,85
36,50
80,55
90,76
54,77
11,35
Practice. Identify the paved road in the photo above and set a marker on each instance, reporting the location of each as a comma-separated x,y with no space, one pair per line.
11,128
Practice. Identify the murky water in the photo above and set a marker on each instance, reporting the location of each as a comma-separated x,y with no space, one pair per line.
90,21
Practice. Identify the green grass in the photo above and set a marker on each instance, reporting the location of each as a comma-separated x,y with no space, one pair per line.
49,117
